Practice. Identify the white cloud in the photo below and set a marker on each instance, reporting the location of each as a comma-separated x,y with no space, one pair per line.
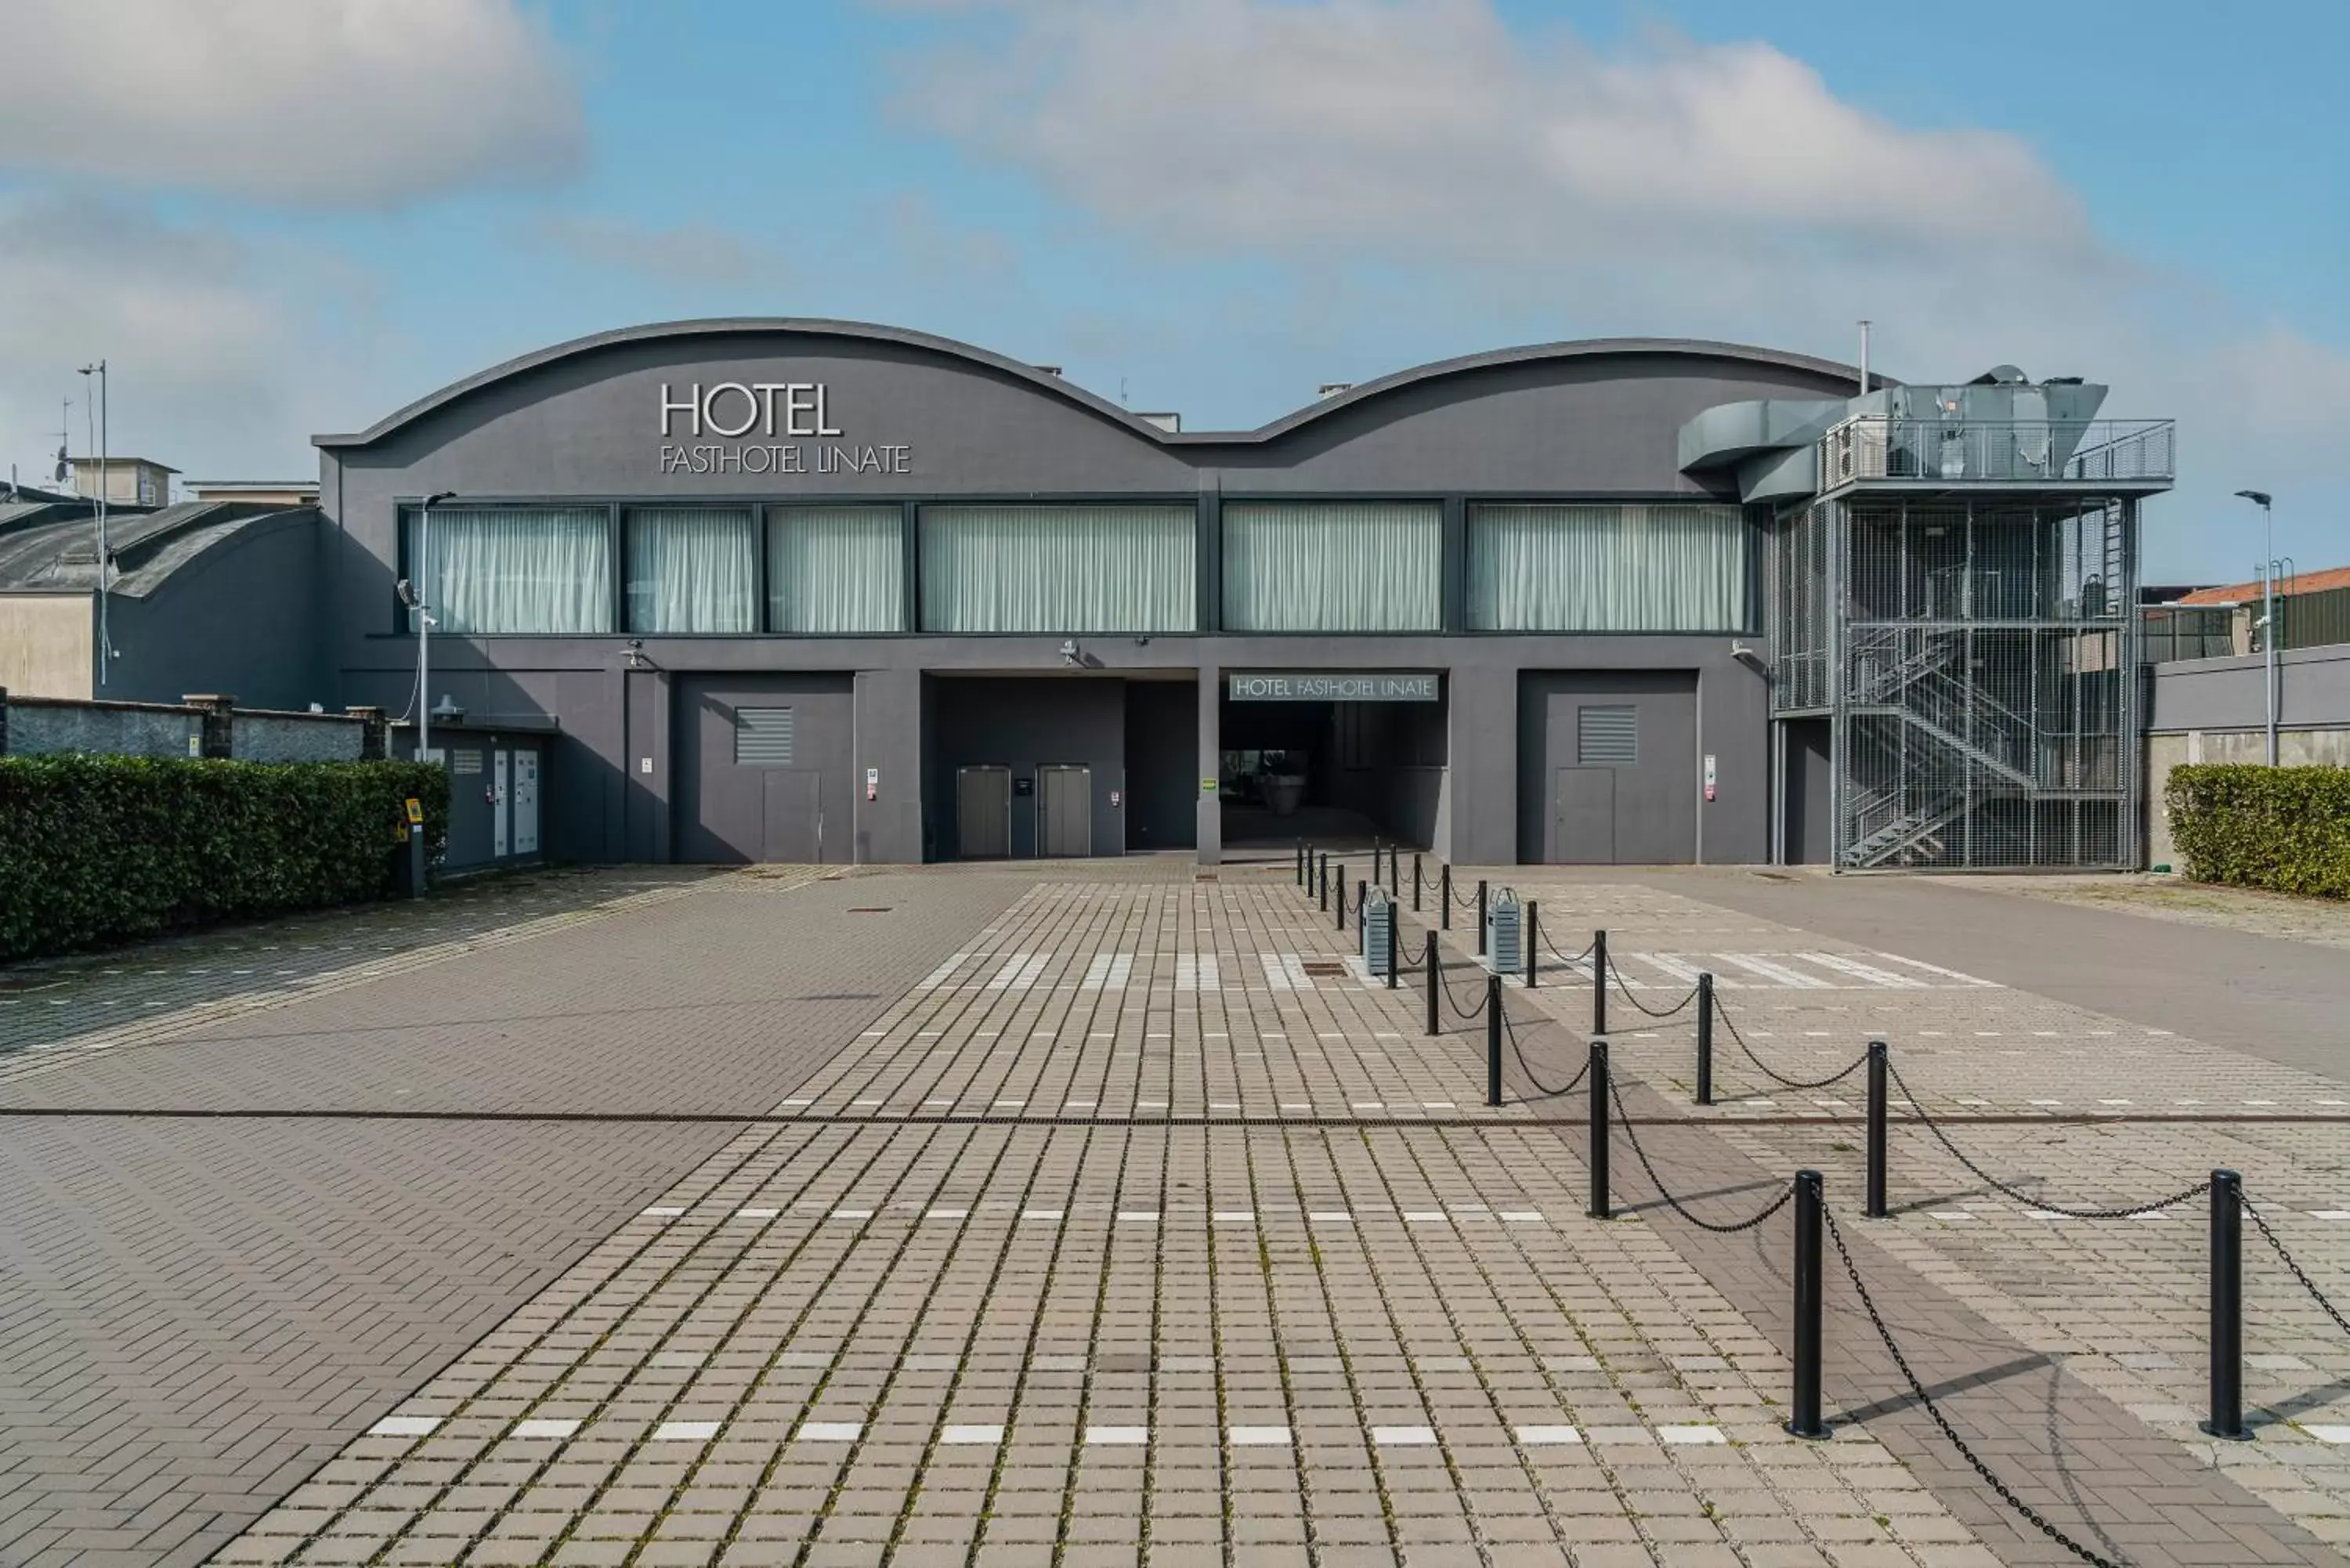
200,331
1426,126
1484,186
328,103
686,253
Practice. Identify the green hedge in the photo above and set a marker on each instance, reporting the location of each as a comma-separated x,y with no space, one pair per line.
98,849
2285,829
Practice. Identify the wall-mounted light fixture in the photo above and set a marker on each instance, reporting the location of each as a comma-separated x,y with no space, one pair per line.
1070,652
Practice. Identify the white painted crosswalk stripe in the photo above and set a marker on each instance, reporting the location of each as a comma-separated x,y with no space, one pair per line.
1869,972
1198,971
1286,971
1961,977
1108,971
1682,970
1778,972
1020,972
944,973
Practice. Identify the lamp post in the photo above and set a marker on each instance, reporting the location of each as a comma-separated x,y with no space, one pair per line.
424,618
2260,498
105,644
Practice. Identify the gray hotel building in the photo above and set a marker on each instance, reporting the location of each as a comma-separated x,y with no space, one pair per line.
781,589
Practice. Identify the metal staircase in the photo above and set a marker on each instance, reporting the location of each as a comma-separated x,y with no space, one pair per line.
1957,742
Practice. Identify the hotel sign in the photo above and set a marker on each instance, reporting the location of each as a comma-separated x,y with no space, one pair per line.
763,426
1329,686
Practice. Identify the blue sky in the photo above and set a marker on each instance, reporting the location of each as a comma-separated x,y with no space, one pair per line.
1211,208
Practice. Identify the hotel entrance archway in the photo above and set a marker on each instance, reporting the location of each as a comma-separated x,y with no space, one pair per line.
1331,758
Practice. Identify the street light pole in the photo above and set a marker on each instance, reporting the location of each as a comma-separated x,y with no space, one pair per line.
104,643
2260,498
423,565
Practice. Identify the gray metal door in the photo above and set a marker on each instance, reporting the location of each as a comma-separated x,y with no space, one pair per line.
1582,816
1064,812
791,815
498,803
983,812
526,801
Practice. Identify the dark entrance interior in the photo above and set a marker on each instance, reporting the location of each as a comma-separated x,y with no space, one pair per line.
1029,766
1331,771
1807,799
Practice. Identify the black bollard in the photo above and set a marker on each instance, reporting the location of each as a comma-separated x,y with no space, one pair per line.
1529,933
1493,1039
1362,901
1481,916
1391,944
1803,1408
1324,872
1599,983
1415,881
1300,868
1705,1037
1435,979
1342,897
1598,1073
2227,1307
1876,1107
1444,893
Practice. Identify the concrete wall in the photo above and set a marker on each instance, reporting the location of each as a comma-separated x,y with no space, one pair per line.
2295,748
286,738
2215,710
47,645
46,729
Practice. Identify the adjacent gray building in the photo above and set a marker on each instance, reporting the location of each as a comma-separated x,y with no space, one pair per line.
792,590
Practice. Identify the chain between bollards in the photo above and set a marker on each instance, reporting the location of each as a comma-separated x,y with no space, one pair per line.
1804,1407
2227,1412
1599,983
1435,968
1598,1073
1493,1039
1705,1037
1878,1098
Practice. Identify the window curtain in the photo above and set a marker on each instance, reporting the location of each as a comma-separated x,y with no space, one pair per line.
1608,569
692,569
1375,565
1059,569
835,568
545,569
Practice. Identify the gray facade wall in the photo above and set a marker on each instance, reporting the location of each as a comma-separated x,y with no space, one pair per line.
48,729
242,617
586,427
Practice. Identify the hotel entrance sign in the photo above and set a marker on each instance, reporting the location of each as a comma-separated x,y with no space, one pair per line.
1329,686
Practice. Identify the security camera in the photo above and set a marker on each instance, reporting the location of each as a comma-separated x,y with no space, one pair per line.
407,592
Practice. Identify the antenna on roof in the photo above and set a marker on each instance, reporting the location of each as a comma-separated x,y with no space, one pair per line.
1863,358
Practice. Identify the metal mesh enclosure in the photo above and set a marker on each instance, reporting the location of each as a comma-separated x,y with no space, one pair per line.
1976,661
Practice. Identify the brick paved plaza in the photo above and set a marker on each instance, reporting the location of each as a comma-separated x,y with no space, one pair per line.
1077,1214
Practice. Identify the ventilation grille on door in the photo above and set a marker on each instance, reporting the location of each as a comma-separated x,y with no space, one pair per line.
1607,737
763,737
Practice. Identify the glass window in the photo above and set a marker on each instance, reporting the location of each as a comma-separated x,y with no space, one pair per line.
1059,569
1363,566
692,569
836,568
545,569
1675,567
